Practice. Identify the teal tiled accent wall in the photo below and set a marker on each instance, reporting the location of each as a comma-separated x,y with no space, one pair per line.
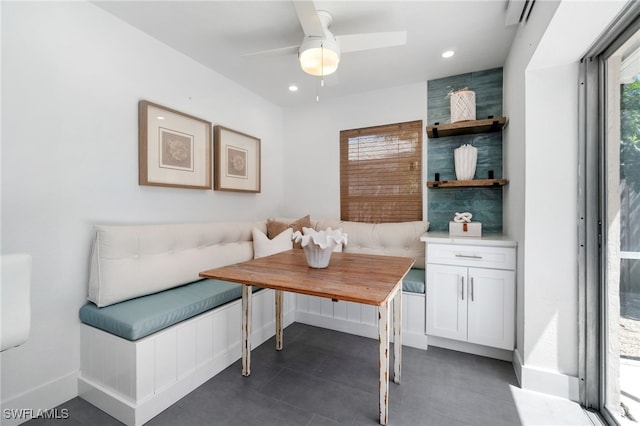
484,203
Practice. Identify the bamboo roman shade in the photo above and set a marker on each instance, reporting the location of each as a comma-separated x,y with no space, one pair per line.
381,173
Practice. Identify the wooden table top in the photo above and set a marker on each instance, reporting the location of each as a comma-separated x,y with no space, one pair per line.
361,278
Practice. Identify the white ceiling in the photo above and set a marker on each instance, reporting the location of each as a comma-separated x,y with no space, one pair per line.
218,34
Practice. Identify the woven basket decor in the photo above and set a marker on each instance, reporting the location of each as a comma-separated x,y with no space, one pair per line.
463,106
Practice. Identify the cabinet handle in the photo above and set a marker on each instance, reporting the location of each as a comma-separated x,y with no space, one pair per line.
469,256
462,286
472,289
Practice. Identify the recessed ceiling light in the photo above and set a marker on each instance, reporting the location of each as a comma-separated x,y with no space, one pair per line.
160,117
293,88
448,54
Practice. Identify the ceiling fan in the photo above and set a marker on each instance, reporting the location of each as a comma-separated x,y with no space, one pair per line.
320,50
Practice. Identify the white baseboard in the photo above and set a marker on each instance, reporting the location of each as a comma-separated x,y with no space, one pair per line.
546,381
27,405
471,348
517,365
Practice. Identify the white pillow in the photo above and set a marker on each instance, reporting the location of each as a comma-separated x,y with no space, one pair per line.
263,246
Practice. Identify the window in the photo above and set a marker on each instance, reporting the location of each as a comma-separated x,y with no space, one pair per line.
381,173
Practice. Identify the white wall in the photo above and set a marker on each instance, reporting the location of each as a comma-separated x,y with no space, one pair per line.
522,49
551,238
312,143
541,154
72,76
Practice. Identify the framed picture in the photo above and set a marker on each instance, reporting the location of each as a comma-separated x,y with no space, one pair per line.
174,149
237,161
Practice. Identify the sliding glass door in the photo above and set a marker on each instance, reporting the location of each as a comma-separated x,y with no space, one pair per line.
609,222
620,251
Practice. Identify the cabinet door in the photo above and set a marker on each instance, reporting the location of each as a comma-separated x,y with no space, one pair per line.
447,301
491,308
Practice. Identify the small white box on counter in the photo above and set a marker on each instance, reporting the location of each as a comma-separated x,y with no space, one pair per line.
472,229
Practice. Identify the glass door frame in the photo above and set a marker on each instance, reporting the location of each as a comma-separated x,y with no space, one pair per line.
593,220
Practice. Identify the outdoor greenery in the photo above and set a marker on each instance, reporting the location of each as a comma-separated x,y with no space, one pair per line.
630,185
630,132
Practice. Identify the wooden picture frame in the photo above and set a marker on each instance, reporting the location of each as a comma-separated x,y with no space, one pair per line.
174,148
237,161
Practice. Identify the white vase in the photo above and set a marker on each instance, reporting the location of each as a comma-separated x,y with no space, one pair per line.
465,159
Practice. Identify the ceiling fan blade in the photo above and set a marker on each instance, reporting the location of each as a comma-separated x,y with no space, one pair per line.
274,52
309,18
367,41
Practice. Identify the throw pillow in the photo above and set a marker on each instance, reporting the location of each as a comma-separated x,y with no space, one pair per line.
275,227
263,246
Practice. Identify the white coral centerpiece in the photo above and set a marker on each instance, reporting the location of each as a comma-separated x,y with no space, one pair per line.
318,245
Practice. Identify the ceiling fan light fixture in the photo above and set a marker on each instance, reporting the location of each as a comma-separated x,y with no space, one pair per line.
319,56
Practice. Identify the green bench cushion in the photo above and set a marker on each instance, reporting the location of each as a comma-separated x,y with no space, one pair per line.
414,281
136,318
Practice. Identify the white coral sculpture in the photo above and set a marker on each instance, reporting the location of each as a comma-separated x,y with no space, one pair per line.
318,245
323,239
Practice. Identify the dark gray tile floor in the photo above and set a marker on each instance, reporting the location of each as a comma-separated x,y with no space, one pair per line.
323,377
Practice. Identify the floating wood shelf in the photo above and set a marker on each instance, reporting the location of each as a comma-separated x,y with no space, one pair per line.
463,183
467,127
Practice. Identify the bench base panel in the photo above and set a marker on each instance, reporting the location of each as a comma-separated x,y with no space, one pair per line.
471,348
362,320
135,381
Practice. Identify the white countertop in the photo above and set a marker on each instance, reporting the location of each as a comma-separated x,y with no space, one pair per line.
491,240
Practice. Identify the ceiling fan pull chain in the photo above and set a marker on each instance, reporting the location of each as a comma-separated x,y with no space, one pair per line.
322,64
321,72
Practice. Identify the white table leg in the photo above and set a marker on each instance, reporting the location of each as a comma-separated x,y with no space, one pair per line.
279,307
383,345
246,330
397,336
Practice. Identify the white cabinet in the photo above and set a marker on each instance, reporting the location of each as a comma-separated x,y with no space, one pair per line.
446,313
471,293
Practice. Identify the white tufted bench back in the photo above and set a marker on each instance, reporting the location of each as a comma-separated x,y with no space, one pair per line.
132,261
389,239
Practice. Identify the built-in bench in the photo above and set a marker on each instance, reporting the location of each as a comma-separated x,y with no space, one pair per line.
137,318
142,350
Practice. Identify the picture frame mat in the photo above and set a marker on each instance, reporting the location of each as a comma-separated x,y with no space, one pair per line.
157,121
231,175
